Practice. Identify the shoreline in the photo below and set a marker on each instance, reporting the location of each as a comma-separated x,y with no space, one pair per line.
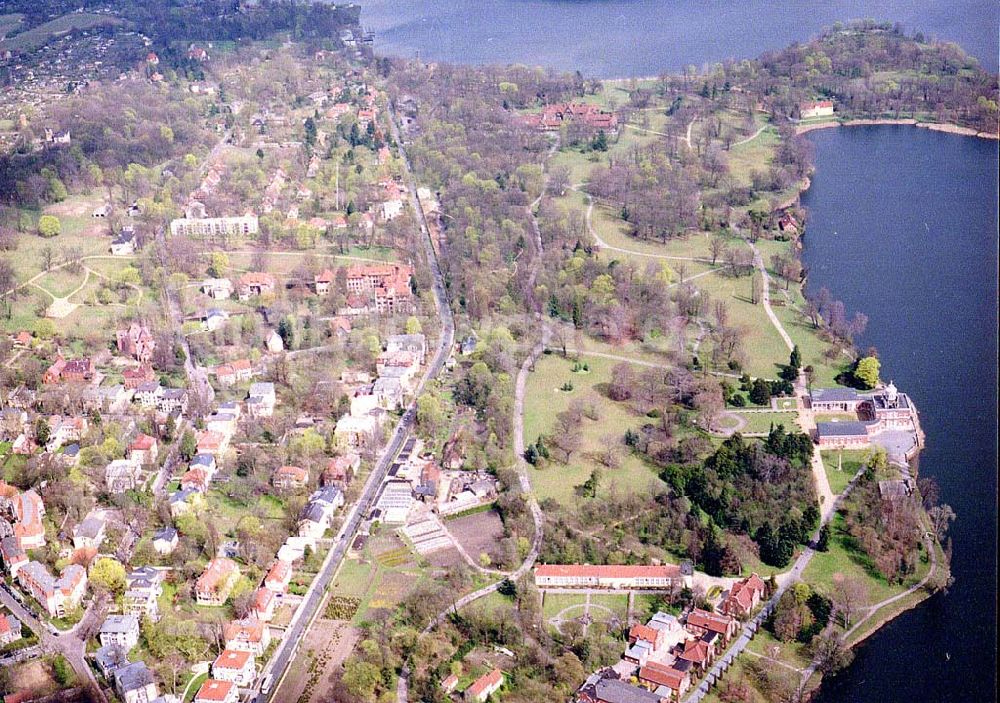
916,598
947,128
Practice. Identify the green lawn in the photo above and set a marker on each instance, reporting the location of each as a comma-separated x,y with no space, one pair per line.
761,422
544,399
615,603
557,602
843,561
841,468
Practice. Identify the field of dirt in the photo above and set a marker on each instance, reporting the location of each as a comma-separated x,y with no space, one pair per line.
33,676
328,644
478,533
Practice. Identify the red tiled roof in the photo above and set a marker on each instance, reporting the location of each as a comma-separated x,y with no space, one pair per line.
695,651
214,690
662,675
484,682
713,622
231,659
620,571
143,442
247,630
642,632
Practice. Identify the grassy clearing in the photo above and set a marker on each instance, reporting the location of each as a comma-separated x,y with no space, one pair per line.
764,347
762,422
544,400
791,653
36,37
616,604
555,603
61,283
851,462
755,155
844,560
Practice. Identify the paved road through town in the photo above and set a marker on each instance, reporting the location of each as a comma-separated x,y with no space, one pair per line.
309,608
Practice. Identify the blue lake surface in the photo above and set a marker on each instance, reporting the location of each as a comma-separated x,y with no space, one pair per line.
903,226
618,38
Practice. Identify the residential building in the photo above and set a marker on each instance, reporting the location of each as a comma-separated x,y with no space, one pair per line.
263,604
57,595
235,666
217,691
72,371
323,280
744,596
10,629
665,680
247,635
273,342
135,377
211,227
214,319
261,400
89,534
120,630
612,690
278,576
125,243
144,449
484,687
142,592
290,478
354,432
665,576
388,393
254,284
217,288
165,540
317,516
415,344
340,470
172,400
136,341
122,475
239,371
216,582
109,660
700,622
816,108
135,683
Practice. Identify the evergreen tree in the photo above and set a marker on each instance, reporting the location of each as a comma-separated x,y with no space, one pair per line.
823,544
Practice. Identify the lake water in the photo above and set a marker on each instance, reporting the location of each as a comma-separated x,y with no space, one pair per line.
903,226
616,38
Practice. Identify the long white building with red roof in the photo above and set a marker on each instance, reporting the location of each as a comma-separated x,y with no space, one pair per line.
625,576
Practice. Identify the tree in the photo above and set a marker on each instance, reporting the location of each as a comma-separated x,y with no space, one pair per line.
941,516
42,431
49,226
189,445
823,543
867,371
429,414
830,653
361,678
108,575
760,392
795,358
717,246
219,265
849,597
413,325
